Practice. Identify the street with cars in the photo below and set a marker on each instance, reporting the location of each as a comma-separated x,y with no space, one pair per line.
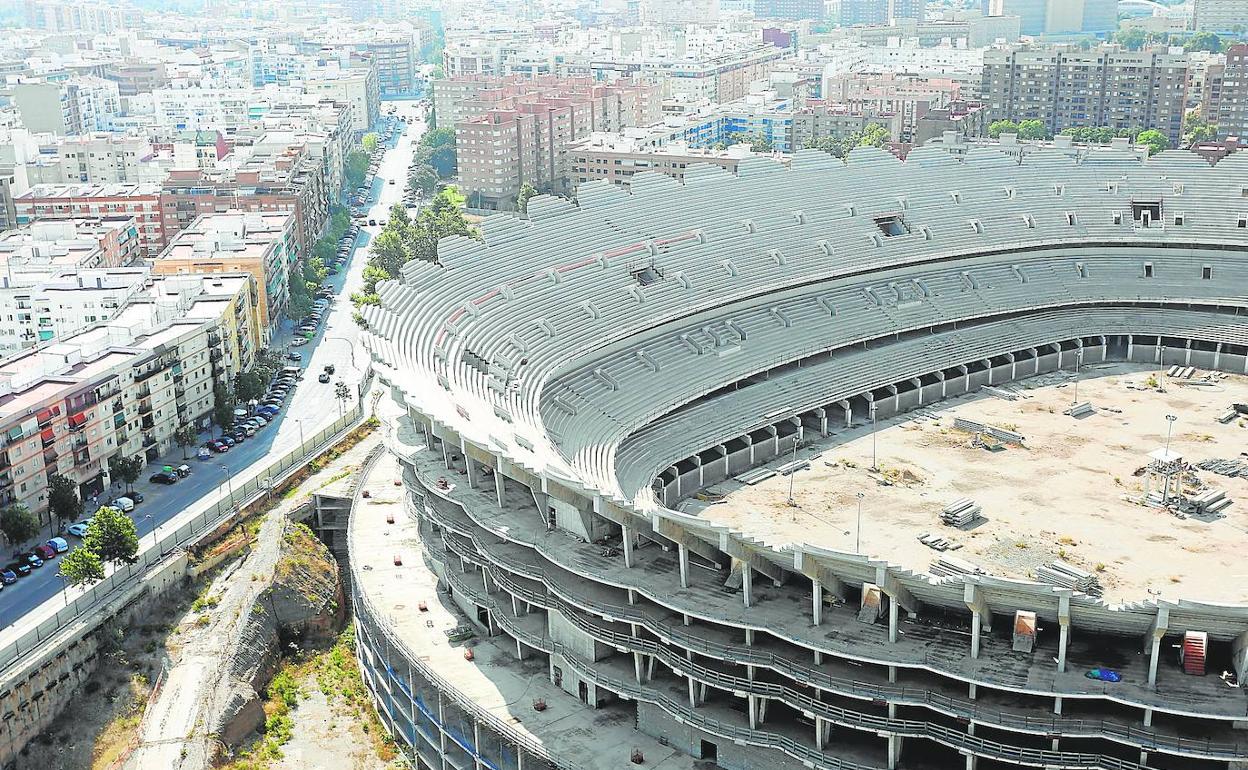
320,352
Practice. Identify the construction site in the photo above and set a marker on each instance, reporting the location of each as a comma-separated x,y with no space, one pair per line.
1123,482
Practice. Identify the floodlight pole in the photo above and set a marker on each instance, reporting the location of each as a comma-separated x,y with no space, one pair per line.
875,466
1170,419
858,528
1078,363
793,472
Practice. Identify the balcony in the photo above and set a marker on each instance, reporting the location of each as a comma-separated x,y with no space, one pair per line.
145,409
144,392
50,456
148,423
82,458
148,441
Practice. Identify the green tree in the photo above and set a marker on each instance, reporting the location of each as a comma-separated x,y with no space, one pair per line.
1032,129
314,271
1196,130
356,168
185,437
82,566
18,523
388,253
343,394
369,141
222,406
127,469
423,178
112,536
527,191
248,386
874,135
436,149
1132,39
63,501
1154,139
1203,41
300,302
998,127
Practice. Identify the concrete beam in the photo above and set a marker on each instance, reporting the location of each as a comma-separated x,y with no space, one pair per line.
1239,656
681,536
1063,639
807,566
981,616
897,593
738,550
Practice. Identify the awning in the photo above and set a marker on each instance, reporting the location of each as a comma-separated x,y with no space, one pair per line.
77,419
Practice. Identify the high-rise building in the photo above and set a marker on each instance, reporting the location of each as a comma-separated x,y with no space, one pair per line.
77,201
789,9
1056,17
1224,101
1220,15
1065,87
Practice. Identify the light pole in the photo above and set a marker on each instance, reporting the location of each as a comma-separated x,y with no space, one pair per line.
874,464
229,482
300,422
145,518
64,587
793,472
1078,363
858,528
1170,419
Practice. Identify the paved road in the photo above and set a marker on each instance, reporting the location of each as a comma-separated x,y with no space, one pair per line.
311,407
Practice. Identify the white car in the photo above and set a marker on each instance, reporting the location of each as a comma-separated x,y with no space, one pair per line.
123,504
79,529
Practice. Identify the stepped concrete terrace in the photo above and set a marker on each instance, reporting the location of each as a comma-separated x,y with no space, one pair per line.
1070,493
709,618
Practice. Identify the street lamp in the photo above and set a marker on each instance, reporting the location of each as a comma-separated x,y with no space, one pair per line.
874,465
145,518
858,529
793,472
1170,419
64,587
229,482
1078,363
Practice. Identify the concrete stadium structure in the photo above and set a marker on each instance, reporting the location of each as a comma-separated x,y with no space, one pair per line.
568,379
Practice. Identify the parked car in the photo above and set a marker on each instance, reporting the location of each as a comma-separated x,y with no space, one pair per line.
372,223
163,478
123,504
332,270
299,341
8,577
329,368
19,568
391,181
31,558
294,355
204,453
183,470
323,378
79,528
137,497
59,543
45,552
239,436
248,430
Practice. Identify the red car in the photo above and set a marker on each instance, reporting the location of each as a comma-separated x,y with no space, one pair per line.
45,552
217,445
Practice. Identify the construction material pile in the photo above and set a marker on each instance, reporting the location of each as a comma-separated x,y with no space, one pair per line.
1231,468
1063,575
960,513
950,566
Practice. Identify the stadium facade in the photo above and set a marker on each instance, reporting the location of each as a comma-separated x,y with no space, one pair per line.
569,378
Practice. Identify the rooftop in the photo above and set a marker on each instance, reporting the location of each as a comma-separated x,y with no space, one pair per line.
112,190
1093,518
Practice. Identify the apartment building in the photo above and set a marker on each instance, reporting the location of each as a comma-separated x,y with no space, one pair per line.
523,134
899,99
617,157
1064,87
119,389
1220,15
136,76
104,241
65,16
794,10
97,158
37,307
276,173
263,245
468,97
851,12
141,202
357,85
210,108
1224,99
76,105
836,121
231,300
394,50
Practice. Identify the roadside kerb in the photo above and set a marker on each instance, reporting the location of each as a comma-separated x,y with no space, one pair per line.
16,644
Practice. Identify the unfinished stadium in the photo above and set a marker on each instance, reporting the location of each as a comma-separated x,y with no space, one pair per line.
799,468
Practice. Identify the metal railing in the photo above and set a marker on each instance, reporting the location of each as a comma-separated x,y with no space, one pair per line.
254,483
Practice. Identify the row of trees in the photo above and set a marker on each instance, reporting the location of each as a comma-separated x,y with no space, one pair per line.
404,239
435,161
873,135
111,538
1135,39
1036,130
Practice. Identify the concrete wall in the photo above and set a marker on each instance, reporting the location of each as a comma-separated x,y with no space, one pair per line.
577,641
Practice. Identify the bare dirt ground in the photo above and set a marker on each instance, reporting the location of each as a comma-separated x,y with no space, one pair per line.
1070,492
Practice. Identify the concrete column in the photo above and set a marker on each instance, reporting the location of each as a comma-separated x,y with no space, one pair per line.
749,637
1152,642
1187,355
446,455
816,609
1013,365
519,650
988,363
892,619
943,384
471,466
1063,639
966,376
693,697
500,487
632,599
1217,355
821,742
894,750
697,460
849,413
627,537
747,583
1130,345
683,556
918,385
637,667
753,702
822,414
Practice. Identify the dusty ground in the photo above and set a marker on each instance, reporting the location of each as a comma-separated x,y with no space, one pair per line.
1069,493
325,737
99,725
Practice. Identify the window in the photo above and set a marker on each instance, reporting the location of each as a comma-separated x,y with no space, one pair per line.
1081,270
1146,212
1148,269
891,225
1178,219
1206,272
